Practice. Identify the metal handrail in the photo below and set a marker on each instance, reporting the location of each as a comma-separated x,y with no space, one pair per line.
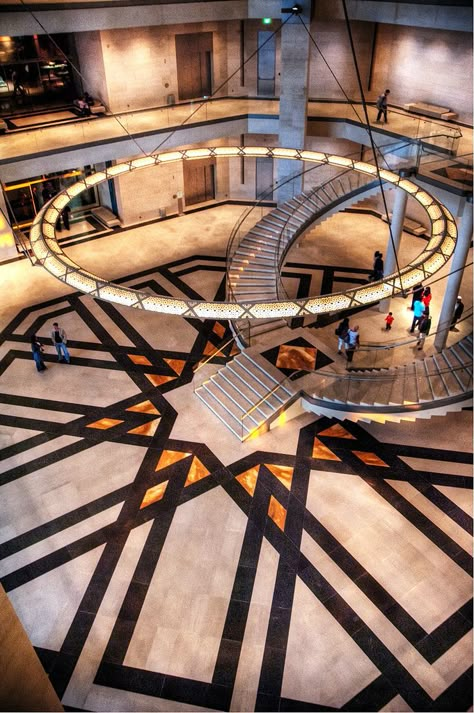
209,358
266,396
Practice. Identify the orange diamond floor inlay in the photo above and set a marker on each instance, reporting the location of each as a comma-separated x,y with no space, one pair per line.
277,512
197,471
170,457
176,364
137,359
144,407
370,459
104,423
291,357
157,379
322,452
336,431
146,429
209,349
154,494
284,473
248,479
219,329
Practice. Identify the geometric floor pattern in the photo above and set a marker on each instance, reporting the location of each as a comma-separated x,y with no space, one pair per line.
149,575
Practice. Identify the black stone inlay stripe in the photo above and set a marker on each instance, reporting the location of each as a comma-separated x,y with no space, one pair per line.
457,697
373,697
62,522
288,704
423,524
377,594
17,448
447,506
38,463
227,661
47,404
370,644
399,449
47,657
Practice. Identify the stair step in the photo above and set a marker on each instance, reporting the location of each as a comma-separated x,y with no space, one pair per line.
221,414
233,387
227,398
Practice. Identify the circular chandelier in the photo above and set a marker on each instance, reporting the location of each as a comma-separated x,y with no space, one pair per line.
438,250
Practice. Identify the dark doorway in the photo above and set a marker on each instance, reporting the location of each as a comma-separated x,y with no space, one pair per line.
199,181
266,64
194,65
264,178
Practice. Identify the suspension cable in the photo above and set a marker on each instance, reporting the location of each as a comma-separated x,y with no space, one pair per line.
372,143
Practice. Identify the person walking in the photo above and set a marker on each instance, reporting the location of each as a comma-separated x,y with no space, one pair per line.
37,349
377,270
381,105
417,294
341,332
352,343
424,326
59,339
458,310
389,321
418,309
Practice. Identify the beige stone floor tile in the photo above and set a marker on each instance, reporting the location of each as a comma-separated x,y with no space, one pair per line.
323,664
60,539
82,679
442,432
39,413
93,306
11,435
425,506
462,497
111,700
436,466
179,611
47,605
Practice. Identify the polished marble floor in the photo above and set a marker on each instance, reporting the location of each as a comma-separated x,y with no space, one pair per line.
157,564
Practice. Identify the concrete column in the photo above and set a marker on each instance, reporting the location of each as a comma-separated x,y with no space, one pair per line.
454,280
398,217
295,44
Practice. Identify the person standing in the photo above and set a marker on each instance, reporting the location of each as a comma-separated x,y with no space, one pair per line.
341,332
424,326
37,349
418,309
458,310
426,299
48,192
381,105
417,294
389,321
378,267
59,339
352,342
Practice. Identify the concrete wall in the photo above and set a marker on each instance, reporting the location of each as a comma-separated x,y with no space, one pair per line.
425,65
136,68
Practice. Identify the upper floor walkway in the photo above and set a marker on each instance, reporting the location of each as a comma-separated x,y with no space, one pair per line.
51,145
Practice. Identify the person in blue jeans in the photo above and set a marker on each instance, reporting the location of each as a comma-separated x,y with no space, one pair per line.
59,339
36,348
418,309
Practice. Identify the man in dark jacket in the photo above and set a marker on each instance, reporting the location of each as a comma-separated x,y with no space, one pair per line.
458,310
381,105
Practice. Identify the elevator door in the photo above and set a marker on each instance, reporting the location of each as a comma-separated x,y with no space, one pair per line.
194,65
263,178
198,181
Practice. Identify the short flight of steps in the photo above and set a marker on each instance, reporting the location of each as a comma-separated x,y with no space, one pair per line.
439,381
241,385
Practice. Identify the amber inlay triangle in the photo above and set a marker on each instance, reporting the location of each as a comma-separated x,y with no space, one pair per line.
154,494
146,429
277,512
137,359
248,479
176,364
284,473
370,459
170,457
235,350
218,329
144,407
209,349
336,431
158,379
104,423
197,471
322,452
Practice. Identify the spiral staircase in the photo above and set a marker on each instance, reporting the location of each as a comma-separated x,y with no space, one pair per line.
248,394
